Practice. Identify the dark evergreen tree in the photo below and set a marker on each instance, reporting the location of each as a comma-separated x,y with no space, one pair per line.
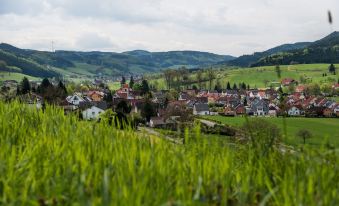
235,87
243,86
228,87
62,89
123,80
144,87
148,110
278,71
25,86
131,82
108,98
245,101
331,69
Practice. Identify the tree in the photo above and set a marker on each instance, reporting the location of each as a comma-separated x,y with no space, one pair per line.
108,97
25,86
248,87
278,71
243,86
228,87
266,82
211,76
331,69
235,87
218,87
148,110
62,89
44,86
131,82
123,80
313,89
304,134
302,79
123,107
200,78
144,87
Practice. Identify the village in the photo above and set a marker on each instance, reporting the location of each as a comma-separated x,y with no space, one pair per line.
162,109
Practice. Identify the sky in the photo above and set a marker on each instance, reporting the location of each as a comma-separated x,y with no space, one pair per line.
232,27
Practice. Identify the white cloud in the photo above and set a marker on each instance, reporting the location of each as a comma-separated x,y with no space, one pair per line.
220,26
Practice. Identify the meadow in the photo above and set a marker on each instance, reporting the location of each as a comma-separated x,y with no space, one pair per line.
47,158
259,77
322,129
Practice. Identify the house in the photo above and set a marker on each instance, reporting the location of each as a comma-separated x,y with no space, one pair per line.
273,110
335,86
295,111
75,99
327,112
336,110
157,122
95,95
229,111
288,81
184,96
300,88
240,109
92,113
259,107
201,109
10,83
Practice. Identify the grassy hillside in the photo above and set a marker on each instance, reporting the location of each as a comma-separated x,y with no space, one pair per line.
257,76
15,76
248,60
322,129
323,50
51,159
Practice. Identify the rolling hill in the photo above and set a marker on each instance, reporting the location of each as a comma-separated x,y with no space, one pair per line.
248,60
47,64
325,50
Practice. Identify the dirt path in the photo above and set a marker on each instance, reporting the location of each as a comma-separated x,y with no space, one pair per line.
151,131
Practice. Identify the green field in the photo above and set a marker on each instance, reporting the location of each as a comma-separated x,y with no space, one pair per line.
257,76
15,76
322,128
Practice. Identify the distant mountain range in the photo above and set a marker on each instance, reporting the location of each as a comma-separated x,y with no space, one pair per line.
43,63
49,64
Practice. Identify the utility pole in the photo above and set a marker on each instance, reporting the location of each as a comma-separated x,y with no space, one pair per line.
52,46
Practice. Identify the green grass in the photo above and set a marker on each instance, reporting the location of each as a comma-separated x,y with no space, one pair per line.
257,76
322,128
47,158
15,76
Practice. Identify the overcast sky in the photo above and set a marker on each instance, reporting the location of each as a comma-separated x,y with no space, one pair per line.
232,27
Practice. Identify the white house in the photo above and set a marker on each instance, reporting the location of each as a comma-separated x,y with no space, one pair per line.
75,99
92,113
201,109
294,111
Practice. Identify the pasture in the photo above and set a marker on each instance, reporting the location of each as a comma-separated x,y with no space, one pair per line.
322,129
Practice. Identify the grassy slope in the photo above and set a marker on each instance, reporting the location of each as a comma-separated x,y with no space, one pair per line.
321,128
48,158
15,76
256,76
